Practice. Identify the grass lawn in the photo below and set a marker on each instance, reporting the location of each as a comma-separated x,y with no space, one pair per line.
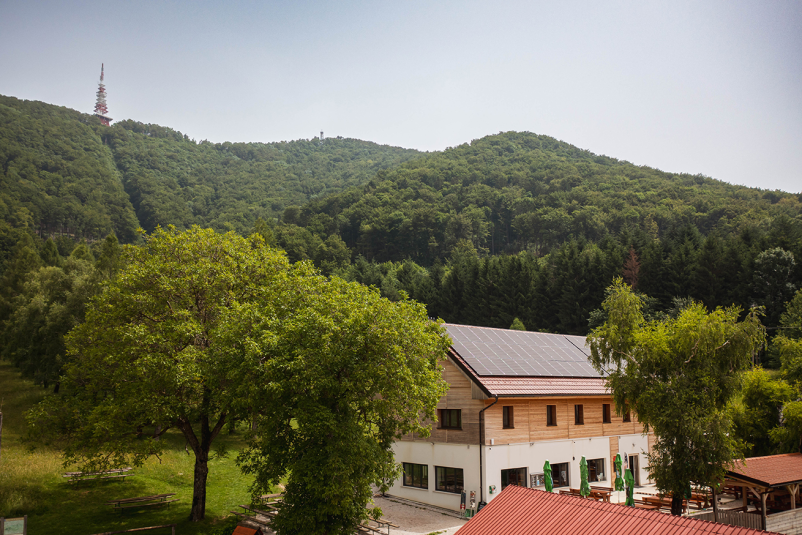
31,481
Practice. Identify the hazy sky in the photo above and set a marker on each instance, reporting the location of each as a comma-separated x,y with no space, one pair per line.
698,87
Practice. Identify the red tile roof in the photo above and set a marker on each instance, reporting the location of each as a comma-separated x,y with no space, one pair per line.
532,386
771,470
522,511
242,530
544,386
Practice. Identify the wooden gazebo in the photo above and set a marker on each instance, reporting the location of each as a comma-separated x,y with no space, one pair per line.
773,477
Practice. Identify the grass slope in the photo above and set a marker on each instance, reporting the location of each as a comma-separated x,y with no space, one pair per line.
31,481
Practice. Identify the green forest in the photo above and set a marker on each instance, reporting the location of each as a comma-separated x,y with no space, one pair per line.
513,226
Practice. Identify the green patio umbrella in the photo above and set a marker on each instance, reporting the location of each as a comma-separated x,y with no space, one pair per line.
630,488
584,487
619,483
547,477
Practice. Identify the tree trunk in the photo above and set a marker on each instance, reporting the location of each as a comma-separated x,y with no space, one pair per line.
198,511
676,504
1,429
201,448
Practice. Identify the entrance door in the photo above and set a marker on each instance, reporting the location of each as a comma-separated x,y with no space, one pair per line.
633,465
513,476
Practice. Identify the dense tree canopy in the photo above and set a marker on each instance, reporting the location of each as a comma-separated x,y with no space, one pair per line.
199,328
678,375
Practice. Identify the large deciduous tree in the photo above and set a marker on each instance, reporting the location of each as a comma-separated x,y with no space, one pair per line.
199,328
341,382
678,375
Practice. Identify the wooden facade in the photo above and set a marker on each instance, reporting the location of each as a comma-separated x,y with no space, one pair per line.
529,417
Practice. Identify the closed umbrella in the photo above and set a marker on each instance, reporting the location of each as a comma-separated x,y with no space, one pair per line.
547,477
584,487
630,488
619,483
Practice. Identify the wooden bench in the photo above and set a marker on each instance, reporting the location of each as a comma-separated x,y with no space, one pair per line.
116,473
157,500
271,498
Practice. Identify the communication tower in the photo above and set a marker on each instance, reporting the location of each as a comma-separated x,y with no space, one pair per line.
100,106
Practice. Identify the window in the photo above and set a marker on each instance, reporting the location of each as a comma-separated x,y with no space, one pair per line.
416,475
606,413
551,414
508,421
627,416
579,415
450,419
513,476
596,470
559,474
449,479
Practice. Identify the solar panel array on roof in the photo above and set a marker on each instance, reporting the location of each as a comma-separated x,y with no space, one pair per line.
502,352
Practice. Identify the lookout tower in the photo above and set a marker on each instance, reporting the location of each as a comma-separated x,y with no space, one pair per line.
100,106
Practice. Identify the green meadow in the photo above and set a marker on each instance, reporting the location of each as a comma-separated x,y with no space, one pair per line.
31,481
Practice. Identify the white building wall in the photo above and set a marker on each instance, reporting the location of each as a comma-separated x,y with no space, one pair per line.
447,455
496,458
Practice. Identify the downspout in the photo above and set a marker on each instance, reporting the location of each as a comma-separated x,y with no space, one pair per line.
482,447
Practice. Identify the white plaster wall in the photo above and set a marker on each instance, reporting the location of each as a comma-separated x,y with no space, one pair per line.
632,444
449,455
534,455
496,458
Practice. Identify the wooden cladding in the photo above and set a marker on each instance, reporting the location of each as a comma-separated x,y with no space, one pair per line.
554,419
519,420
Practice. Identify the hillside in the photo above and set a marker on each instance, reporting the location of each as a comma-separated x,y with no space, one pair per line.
57,177
521,191
63,174
227,186
510,225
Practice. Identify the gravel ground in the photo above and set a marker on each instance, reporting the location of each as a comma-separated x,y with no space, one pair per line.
413,520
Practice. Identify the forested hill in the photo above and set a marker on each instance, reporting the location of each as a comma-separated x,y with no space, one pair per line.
227,186
57,176
520,191
523,226
64,174
510,225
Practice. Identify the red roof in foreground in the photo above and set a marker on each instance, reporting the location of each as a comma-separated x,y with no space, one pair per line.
522,511
242,530
771,470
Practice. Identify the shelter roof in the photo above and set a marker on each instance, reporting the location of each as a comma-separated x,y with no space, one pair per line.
523,511
769,471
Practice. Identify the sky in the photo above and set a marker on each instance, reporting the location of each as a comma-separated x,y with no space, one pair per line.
710,87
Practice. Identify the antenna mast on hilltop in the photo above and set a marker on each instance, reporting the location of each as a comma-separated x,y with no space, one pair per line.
100,106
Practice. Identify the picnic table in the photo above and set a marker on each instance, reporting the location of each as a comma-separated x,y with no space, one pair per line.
662,501
271,498
382,523
157,500
114,473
